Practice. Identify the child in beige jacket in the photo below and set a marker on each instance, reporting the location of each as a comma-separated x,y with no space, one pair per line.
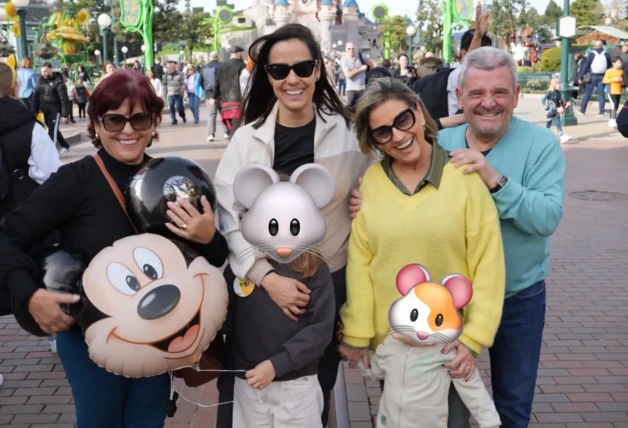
410,360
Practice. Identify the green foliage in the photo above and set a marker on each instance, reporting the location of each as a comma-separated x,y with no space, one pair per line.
395,26
552,13
430,15
550,59
504,14
543,34
528,16
194,30
587,12
167,22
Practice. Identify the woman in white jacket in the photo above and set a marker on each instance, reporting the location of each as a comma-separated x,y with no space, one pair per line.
292,116
157,85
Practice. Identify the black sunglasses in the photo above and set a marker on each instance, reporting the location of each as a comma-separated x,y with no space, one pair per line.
302,69
117,122
403,121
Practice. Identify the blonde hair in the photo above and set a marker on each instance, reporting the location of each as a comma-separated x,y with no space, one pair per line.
308,262
7,80
554,83
378,91
27,62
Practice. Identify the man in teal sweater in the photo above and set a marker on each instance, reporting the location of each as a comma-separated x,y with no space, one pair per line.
523,166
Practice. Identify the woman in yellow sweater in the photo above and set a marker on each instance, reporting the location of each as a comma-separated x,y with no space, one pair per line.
447,222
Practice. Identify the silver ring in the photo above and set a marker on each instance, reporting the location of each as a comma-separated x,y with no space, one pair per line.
184,226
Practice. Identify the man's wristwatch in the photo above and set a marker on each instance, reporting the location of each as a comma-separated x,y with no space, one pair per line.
501,182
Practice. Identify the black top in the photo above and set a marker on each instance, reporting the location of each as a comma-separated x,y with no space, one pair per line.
77,201
51,95
261,331
293,147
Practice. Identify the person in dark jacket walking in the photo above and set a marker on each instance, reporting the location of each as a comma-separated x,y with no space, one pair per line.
51,97
227,90
158,70
209,75
81,95
28,155
592,76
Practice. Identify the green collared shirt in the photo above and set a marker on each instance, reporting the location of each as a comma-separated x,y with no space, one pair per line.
440,157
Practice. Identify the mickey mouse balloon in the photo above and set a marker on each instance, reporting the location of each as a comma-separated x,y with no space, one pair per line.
155,306
163,180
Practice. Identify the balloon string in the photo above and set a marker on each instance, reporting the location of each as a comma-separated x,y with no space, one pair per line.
173,389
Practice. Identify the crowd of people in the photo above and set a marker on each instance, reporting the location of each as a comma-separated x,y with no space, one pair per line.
433,170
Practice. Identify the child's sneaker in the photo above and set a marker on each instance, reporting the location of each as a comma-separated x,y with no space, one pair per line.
564,138
612,123
53,344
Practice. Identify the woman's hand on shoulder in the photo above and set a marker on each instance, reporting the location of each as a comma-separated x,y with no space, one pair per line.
353,355
191,224
290,295
45,309
355,202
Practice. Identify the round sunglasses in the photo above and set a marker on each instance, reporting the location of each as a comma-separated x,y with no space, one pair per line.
403,122
116,122
302,69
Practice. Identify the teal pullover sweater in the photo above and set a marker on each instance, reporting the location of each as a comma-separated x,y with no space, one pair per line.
530,205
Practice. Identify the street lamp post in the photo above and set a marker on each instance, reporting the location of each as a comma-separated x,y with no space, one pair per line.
104,21
410,31
97,53
21,6
124,51
181,55
566,30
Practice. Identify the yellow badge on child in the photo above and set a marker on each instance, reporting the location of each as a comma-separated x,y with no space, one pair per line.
243,287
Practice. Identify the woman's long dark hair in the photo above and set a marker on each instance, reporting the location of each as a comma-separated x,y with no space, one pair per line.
260,98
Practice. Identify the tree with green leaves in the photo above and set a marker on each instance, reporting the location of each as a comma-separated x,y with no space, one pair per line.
167,22
528,16
429,15
504,18
552,13
395,26
194,30
543,34
587,12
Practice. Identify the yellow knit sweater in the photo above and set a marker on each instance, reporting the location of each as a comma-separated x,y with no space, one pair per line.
452,229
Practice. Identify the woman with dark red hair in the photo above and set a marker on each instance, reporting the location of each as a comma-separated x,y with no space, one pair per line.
78,201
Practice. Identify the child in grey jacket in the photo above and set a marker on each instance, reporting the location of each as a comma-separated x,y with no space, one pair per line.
280,387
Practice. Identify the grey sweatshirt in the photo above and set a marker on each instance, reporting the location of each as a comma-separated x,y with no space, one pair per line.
261,331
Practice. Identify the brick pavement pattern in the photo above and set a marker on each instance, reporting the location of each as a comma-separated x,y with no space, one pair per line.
583,376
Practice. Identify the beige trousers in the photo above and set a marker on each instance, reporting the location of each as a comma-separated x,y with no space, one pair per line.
289,404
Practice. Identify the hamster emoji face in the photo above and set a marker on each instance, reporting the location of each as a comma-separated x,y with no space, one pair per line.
283,218
162,304
428,312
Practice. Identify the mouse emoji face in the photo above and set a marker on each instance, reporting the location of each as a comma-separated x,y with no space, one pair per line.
162,304
428,312
283,218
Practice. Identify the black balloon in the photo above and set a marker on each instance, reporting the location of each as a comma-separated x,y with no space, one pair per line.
160,181
60,271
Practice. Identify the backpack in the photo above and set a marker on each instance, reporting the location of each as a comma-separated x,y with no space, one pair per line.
5,180
209,78
368,67
599,64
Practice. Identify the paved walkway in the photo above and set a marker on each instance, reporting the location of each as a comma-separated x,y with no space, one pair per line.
583,377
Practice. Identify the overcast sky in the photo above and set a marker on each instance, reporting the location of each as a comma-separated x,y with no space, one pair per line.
396,7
